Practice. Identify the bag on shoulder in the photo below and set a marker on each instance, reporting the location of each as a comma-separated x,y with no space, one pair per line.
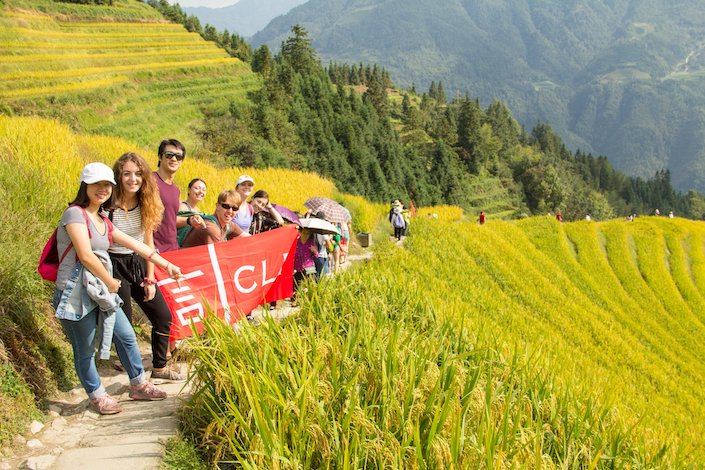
49,261
398,221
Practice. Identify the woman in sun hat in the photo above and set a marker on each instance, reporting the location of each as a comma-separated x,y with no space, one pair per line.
243,217
86,291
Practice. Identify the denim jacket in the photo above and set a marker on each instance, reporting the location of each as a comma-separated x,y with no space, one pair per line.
83,293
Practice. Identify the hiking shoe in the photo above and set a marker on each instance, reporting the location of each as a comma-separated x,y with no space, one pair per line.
168,373
106,405
146,392
117,365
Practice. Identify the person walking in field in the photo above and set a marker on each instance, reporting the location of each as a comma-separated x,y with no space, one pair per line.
171,155
220,226
481,218
136,211
396,218
559,216
86,290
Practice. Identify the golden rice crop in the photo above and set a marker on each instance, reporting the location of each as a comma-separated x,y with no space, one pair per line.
385,365
32,75
73,57
64,88
448,213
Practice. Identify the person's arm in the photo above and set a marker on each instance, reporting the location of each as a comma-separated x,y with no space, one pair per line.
275,214
194,221
78,234
150,254
150,285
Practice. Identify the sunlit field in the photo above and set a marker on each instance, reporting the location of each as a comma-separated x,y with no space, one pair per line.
508,345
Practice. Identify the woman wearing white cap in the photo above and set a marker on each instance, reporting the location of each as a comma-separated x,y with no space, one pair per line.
86,289
243,217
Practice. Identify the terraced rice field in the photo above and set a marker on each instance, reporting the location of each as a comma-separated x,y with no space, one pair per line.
140,80
527,344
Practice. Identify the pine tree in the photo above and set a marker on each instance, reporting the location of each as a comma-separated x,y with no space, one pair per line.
297,50
262,61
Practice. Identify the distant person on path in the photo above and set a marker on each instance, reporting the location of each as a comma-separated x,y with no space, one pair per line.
220,226
189,207
397,219
670,214
265,216
324,248
559,216
588,218
137,211
482,218
171,154
657,212
334,258
243,217
86,291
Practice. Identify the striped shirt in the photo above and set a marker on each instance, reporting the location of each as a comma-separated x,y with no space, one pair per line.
130,223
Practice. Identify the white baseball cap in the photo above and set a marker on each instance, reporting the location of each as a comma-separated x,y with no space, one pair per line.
244,178
96,171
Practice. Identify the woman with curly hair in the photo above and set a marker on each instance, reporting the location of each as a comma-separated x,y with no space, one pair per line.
137,211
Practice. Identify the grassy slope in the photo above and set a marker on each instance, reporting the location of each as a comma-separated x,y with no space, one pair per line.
117,70
548,342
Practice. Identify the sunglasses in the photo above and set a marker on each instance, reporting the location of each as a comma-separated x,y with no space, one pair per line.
227,207
170,155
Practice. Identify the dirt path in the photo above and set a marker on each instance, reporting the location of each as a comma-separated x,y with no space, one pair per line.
75,437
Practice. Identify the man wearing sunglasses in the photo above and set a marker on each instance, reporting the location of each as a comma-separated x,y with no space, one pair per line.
171,155
219,226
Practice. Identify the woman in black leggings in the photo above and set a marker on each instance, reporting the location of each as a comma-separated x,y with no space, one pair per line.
137,212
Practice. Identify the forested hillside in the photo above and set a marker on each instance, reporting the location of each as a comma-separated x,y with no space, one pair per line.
619,78
351,124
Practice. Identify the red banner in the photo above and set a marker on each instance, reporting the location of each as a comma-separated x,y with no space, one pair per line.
229,278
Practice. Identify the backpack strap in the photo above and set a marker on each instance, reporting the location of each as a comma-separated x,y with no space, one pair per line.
108,223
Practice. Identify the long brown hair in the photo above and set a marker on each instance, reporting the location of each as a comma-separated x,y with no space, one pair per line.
148,195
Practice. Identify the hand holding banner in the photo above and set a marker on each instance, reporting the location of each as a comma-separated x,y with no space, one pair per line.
229,279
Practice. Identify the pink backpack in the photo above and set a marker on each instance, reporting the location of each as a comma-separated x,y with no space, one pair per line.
49,260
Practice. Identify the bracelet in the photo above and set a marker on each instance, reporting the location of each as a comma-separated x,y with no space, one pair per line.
148,282
153,253
188,220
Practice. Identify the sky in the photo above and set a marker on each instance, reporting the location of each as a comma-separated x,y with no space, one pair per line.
205,3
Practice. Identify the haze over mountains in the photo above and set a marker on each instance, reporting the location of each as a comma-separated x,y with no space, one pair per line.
245,17
621,78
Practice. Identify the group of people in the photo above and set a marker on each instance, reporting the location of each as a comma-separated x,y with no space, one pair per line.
400,218
110,238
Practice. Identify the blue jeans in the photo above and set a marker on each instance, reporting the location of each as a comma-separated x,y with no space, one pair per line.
321,266
82,335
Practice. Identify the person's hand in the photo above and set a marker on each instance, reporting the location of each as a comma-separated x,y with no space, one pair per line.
114,286
150,290
174,273
197,221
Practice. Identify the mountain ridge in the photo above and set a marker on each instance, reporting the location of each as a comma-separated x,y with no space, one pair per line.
245,17
611,77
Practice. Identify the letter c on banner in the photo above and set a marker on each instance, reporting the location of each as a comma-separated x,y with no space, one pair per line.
236,278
